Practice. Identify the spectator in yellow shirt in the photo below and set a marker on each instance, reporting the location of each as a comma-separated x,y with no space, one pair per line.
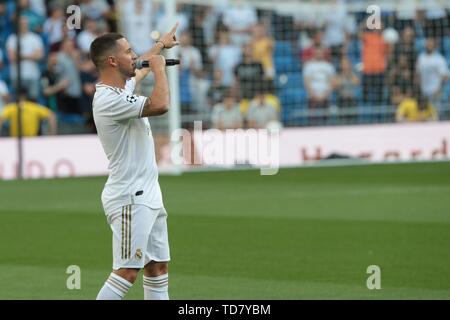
415,110
32,115
262,46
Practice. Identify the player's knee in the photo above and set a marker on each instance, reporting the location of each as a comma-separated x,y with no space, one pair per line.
128,274
154,269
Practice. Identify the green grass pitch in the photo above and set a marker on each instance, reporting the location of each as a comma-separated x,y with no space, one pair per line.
307,233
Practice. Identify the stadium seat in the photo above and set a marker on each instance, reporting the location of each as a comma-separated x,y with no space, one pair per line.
70,118
293,98
185,90
286,64
294,102
289,80
283,48
71,124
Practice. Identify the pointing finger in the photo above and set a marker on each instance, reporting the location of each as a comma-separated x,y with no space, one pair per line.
174,29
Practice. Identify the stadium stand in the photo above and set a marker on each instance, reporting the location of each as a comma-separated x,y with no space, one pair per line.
281,43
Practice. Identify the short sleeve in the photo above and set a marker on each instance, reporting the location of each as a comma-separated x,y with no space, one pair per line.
126,106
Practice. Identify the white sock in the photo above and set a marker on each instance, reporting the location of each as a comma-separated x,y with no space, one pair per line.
114,288
156,288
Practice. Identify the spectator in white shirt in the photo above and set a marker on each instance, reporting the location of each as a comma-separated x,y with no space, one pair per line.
210,21
137,19
54,25
433,72
240,18
163,23
225,56
95,9
192,62
32,51
338,27
68,66
319,77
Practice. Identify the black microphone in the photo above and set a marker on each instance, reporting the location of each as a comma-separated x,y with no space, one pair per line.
145,64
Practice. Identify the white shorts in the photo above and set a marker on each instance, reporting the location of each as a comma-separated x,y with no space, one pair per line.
139,236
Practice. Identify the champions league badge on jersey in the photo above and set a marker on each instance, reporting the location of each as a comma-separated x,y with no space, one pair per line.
132,98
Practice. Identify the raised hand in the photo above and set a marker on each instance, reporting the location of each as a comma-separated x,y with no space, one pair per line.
169,40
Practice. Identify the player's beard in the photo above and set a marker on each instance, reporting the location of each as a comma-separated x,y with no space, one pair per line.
129,71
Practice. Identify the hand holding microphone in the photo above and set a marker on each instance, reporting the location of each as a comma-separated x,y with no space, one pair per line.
147,64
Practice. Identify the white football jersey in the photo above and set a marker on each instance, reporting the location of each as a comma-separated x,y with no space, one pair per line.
128,143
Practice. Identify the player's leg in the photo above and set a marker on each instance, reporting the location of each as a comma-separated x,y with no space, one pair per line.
130,229
156,281
118,284
156,270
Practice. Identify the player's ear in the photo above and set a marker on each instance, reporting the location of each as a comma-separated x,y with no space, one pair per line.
111,61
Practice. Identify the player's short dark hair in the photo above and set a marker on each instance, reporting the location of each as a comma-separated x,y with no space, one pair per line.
102,46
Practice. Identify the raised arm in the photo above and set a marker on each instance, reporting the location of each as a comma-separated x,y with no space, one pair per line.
167,41
158,102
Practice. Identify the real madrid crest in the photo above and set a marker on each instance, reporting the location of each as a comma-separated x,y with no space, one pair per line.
138,254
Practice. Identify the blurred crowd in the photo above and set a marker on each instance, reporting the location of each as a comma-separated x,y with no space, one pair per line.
241,66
